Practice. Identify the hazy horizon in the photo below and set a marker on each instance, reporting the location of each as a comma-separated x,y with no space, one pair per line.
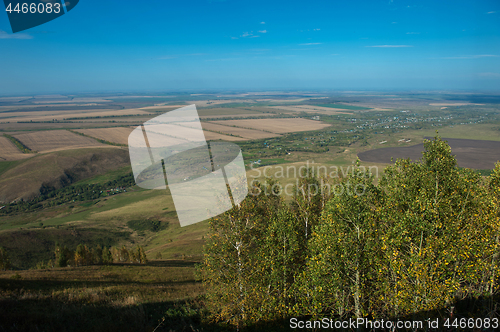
217,44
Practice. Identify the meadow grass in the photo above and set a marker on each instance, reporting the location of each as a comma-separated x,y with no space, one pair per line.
6,165
118,297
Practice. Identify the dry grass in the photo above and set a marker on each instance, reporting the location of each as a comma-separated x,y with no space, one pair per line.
245,133
9,151
116,135
277,126
100,298
54,140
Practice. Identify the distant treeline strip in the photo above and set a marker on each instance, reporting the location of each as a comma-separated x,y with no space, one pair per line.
97,139
19,144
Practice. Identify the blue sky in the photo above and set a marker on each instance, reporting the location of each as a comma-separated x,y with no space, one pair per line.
155,45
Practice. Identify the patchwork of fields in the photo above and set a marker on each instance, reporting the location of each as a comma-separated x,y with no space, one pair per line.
54,140
241,132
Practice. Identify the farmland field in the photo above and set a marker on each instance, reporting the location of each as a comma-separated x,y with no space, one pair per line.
310,109
53,140
245,133
48,115
211,136
469,153
9,151
115,135
277,126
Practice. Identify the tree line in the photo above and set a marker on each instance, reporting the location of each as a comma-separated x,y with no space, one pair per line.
84,255
423,238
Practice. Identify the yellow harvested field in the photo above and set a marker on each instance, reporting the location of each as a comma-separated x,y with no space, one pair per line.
211,136
54,140
115,135
159,140
245,133
277,126
9,151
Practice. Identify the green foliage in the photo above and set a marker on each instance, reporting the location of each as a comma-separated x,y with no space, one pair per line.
152,225
343,250
233,266
107,257
84,256
4,259
62,256
426,236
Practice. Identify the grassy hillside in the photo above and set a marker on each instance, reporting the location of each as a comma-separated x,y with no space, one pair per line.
131,217
22,180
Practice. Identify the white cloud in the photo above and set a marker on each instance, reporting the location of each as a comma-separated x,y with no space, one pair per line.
491,12
316,29
263,31
246,34
390,46
307,44
262,22
5,35
234,37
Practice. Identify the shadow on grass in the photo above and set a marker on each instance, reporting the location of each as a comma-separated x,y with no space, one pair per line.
52,315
